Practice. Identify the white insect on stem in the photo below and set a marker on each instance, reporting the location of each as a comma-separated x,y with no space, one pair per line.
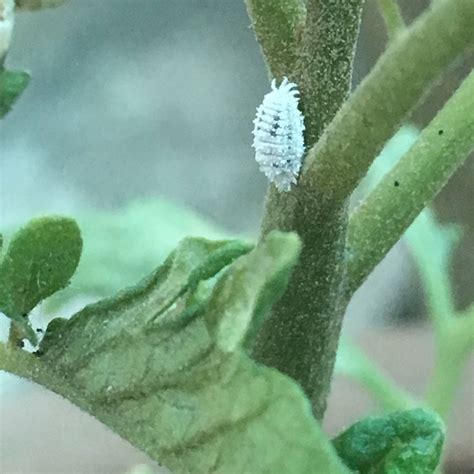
278,135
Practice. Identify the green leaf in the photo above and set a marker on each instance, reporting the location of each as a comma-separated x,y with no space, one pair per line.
12,84
40,260
126,245
146,365
247,291
404,442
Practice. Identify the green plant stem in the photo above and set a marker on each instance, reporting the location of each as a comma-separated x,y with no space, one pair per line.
301,339
278,25
385,390
363,370
28,366
325,66
300,336
392,17
337,163
454,344
15,336
377,224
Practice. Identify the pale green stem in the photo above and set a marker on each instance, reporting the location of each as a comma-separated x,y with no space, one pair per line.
301,335
28,366
377,224
327,56
362,369
392,17
454,344
278,25
371,116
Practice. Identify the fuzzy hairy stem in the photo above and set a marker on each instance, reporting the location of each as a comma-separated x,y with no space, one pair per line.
26,365
327,54
278,25
377,224
337,163
392,17
300,337
29,367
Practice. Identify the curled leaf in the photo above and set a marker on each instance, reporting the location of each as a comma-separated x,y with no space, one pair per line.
403,442
249,288
146,365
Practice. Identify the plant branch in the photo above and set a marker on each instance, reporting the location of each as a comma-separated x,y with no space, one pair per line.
353,363
371,116
454,344
278,25
392,17
28,366
382,218
327,56
301,335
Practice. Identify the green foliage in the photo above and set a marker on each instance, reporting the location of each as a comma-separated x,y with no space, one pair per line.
403,442
40,260
149,368
125,245
245,294
12,84
164,363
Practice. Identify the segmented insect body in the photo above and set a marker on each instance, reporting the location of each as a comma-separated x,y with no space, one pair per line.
278,135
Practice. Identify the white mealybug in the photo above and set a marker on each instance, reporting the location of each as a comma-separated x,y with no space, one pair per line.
278,135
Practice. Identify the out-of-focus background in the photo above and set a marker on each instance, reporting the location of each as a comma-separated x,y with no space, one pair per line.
139,109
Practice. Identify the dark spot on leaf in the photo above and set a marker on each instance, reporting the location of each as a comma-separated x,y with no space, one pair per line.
39,330
440,132
273,133
396,184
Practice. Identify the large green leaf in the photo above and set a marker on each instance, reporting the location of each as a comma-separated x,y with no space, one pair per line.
125,245
12,84
146,364
403,442
40,260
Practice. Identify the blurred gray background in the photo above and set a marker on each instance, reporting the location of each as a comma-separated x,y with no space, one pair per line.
143,98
